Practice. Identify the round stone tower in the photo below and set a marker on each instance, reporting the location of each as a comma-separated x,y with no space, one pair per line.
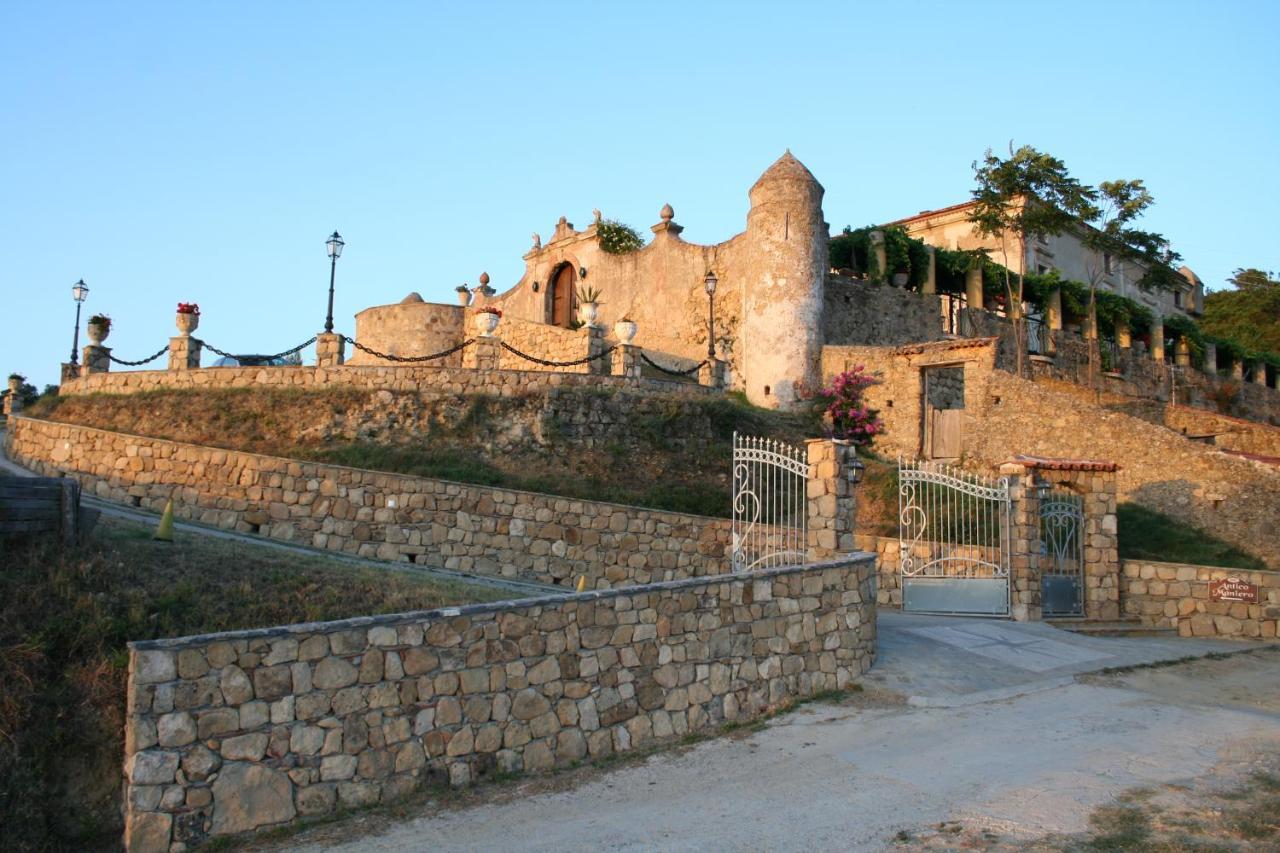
781,333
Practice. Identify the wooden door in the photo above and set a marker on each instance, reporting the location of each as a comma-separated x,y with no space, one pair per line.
562,297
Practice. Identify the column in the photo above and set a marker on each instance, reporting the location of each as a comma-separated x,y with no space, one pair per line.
184,353
1024,542
330,349
973,286
1260,373
1237,369
877,251
1211,359
1157,339
1124,337
1182,353
834,472
626,361
483,354
95,359
931,275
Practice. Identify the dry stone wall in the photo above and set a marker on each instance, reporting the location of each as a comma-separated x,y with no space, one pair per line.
550,343
1177,595
427,381
229,733
388,516
873,313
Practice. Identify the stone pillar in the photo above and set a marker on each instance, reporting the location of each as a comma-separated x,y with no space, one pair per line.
1157,340
13,400
1237,369
626,361
1101,544
595,346
69,371
331,349
1260,373
1211,359
95,359
877,251
1024,542
1124,338
1053,310
1182,353
711,374
973,287
483,354
931,275
1091,323
184,353
834,472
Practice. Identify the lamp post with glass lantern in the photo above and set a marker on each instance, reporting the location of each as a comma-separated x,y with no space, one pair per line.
335,245
79,292
710,282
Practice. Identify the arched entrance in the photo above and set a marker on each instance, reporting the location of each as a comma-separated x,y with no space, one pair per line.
562,295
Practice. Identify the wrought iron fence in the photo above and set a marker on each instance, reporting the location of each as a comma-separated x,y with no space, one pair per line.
770,503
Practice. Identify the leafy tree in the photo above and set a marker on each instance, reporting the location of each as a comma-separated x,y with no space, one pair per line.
1028,195
1249,314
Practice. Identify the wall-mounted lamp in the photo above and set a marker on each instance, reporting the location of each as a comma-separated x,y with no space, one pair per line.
582,272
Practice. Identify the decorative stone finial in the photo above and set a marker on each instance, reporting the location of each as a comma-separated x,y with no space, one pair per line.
563,220
484,279
597,214
537,241
668,213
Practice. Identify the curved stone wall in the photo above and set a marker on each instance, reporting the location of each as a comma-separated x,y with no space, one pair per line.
409,328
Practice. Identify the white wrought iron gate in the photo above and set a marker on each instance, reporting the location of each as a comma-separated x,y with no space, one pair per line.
953,540
1062,553
770,508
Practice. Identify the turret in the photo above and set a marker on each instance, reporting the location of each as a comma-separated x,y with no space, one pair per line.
781,333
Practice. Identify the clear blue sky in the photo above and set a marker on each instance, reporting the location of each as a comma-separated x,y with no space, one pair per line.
202,152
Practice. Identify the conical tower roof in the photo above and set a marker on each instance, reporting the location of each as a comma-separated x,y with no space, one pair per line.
787,168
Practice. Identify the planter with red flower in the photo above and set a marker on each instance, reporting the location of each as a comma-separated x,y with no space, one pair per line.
188,317
487,320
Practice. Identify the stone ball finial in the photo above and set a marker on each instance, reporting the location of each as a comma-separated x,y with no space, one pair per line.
668,213
484,279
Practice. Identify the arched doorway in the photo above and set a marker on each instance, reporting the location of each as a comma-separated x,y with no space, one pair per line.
562,296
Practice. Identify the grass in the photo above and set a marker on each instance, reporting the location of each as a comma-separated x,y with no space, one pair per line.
66,615
1149,535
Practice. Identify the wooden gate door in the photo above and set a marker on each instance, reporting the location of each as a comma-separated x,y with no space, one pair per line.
562,297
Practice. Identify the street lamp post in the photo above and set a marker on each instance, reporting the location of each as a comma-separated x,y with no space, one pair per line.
79,292
710,282
335,245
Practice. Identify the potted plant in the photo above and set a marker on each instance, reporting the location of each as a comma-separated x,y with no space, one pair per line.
15,382
487,320
99,327
464,295
625,329
188,317
588,305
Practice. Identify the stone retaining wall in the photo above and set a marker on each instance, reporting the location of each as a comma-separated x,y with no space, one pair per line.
228,733
386,516
427,381
873,313
1177,595
551,343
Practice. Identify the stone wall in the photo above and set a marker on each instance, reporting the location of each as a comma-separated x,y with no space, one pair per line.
889,581
410,328
1219,430
857,312
427,381
386,516
550,343
1177,595
229,733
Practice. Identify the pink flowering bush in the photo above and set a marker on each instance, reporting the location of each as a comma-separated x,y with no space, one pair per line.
847,412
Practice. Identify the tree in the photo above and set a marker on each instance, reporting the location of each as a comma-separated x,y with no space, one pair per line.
1027,196
1111,238
1249,314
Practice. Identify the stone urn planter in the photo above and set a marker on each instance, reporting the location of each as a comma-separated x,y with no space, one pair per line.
625,330
464,297
15,384
486,322
187,323
587,313
97,332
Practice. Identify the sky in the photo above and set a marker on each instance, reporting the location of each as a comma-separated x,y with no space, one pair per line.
200,152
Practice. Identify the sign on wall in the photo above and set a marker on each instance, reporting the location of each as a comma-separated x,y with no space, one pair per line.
1233,589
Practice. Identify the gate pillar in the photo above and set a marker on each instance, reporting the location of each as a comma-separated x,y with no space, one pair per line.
1024,542
832,505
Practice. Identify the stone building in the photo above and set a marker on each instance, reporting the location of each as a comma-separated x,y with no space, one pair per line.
950,228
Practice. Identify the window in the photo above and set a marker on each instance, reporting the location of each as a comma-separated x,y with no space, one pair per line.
1106,263
1042,269
1177,298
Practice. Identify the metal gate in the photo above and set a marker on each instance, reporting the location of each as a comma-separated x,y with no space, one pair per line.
1061,553
953,540
770,509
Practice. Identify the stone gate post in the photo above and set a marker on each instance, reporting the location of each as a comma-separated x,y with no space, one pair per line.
330,349
483,354
834,473
184,353
626,361
95,359
1024,542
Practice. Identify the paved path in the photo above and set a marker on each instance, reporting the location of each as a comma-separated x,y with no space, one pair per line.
518,588
999,733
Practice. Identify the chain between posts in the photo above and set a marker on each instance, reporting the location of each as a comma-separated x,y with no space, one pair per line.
138,363
506,346
211,348
409,358
659,367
